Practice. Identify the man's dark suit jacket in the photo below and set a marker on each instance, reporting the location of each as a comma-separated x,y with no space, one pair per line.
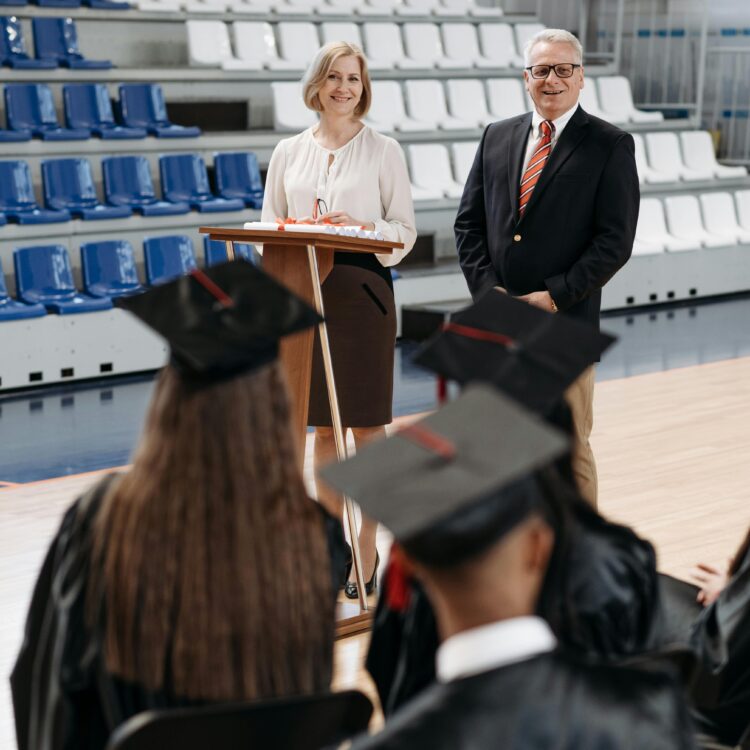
578,228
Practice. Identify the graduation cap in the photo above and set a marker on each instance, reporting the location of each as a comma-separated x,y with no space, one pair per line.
454,482
223,320
530,354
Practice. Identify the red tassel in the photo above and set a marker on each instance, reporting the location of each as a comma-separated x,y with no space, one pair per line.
398,581
442,390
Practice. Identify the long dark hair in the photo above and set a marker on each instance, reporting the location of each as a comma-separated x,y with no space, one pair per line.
215,571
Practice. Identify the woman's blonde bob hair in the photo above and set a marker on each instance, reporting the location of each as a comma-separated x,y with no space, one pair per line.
320,67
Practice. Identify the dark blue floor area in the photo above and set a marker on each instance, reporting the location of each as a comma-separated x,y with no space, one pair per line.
51,433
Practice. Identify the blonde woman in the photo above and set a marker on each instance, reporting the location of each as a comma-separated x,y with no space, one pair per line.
342,171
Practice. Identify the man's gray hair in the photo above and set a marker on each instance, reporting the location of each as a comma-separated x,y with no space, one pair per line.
553,35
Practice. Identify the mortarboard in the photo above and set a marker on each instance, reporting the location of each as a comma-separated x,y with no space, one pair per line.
452,483
221,321
530,354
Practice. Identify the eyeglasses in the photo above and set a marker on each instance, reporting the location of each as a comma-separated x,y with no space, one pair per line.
319,208
562,70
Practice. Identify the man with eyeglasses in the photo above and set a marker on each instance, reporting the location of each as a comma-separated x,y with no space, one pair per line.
549,210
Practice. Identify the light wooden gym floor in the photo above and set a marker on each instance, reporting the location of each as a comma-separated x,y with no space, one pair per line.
674,462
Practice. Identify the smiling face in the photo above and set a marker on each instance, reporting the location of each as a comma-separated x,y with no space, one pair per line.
553,96
342,88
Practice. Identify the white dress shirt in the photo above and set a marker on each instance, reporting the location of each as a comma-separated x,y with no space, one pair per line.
536,133
491,646
367,178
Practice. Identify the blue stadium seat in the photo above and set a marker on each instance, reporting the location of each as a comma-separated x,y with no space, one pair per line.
9,3
17,199
142,105
56,39
215,251
238,176
69,185
184,178
30,107
127,182
167,258
12,309
43,275
13,50
87,105
107,5
109,269
58,3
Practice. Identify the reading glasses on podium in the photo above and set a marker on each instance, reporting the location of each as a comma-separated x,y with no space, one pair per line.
562,70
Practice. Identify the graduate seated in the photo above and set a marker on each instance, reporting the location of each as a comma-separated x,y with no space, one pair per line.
605,601
484,537
714,620
179,582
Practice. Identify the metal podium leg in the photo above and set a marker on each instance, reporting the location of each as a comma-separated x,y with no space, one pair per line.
338,430
230,249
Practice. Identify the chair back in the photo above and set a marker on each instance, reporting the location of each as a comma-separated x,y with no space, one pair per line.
127,181
68,184
237,175
43,273
87,105
215,251
30,106
167,258
16,189
142,105
306,723
109,269
184,177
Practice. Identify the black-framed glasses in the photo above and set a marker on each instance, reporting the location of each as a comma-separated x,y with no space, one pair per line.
320,208
562,70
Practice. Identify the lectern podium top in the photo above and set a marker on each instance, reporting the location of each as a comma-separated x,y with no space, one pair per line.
318,239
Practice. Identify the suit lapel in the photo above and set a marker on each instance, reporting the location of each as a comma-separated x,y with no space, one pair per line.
516,151
574,133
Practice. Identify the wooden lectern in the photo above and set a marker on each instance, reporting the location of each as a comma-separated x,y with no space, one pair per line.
300,261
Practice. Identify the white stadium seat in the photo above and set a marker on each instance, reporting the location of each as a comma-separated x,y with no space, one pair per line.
255,41
431,168
720,218
295,7
385,49
289,111
684,221
742,199
524,32
498,44
463,157
646,175
339,7
505,98
425,102
463,8
209,45
298,43
417,7
387,111
158,6
252,7
379,7
423,44
616,100
589,100
461,43
651,230
664,156
698,152
466,101
340,32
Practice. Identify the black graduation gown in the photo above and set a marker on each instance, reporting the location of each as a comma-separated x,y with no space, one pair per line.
550,702
606,608
63,696
720,636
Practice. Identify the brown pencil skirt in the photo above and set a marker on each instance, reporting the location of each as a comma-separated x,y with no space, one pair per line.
360,315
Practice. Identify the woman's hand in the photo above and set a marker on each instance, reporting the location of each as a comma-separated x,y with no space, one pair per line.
712,581
342,218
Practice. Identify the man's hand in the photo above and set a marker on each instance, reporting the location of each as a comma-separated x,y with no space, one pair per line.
501,289
542,300
712,581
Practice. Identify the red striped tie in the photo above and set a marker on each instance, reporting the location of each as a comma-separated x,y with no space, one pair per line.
536,165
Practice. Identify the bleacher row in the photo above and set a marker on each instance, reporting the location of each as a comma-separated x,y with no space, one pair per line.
423,105
70,190
438,172
44,277
255,45
30,111
55,45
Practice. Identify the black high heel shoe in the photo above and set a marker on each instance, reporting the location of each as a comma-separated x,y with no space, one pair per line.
350,589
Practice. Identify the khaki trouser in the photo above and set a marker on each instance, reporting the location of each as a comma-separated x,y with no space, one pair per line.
580,398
